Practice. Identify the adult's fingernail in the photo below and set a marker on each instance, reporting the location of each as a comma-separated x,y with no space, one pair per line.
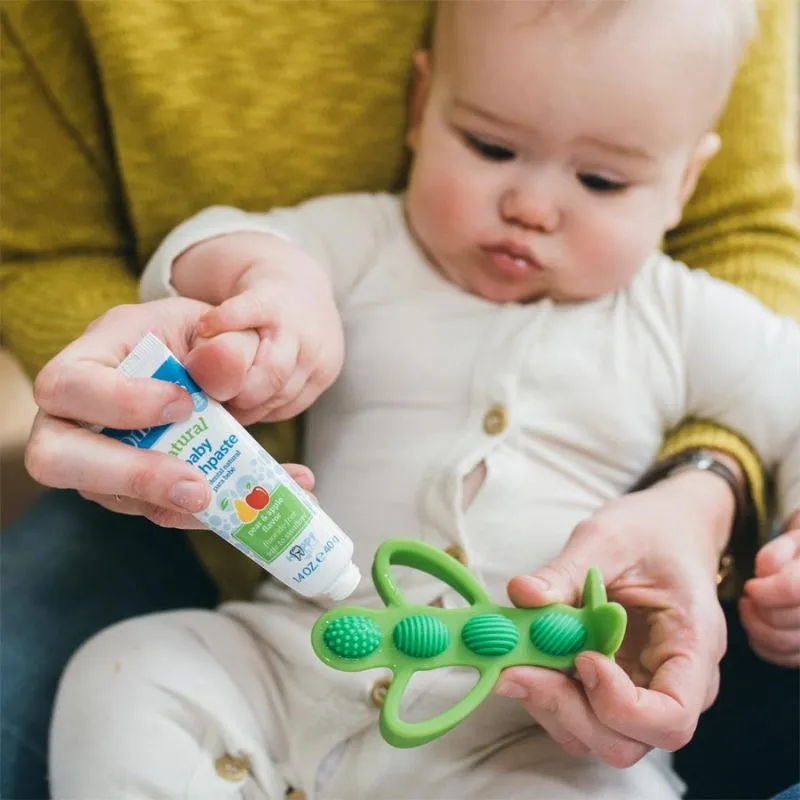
510,689
587,673
178,410
189,495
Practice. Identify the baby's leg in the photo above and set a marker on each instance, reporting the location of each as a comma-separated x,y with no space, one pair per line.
173,705
535,766
495,753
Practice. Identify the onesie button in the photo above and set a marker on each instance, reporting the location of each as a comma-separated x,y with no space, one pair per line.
231,768
378,694
495,420
457,553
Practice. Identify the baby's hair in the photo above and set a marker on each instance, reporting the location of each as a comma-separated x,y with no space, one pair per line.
741,17
725,27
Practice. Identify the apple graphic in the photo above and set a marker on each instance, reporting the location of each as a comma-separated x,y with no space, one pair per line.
258,498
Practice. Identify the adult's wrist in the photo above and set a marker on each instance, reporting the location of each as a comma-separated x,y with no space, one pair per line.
712,497
718,482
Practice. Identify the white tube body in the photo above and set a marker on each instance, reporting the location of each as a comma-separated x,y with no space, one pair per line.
255,506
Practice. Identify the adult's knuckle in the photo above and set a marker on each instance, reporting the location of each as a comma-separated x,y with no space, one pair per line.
792,591
786,641
722,636
590,528
47,386
40,455
127,402
619,755
612,716
547,703
772,656
678,737
141,481
117,315
573,746
688,631
162,517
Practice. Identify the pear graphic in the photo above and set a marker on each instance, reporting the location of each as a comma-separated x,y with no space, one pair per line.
244,512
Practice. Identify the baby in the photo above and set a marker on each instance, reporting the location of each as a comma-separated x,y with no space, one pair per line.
516,348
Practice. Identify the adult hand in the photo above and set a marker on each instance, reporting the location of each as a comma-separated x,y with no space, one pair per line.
770,605
658,551
81,384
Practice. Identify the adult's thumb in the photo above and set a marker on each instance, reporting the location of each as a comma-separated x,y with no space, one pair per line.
560,581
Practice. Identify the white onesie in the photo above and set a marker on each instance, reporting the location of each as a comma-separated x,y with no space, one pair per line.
559,408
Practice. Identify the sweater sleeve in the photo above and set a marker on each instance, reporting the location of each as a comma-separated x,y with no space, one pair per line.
67,255
740,225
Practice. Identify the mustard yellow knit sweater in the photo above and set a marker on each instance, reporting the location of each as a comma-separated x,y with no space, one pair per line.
120,119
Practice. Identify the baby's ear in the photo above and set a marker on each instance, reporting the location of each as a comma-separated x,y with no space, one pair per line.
420,90
706,149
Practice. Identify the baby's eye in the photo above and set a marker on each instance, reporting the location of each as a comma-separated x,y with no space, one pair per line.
601,185
487,150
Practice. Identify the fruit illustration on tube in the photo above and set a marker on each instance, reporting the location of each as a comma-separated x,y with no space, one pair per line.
258,498
244,512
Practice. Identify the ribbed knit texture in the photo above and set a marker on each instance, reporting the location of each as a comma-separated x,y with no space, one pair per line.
120,119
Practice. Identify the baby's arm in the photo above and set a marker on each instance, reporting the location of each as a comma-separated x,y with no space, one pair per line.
340,233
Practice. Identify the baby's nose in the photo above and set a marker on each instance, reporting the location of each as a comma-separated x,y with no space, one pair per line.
532,207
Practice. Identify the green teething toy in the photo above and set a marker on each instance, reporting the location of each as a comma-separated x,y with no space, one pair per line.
486,636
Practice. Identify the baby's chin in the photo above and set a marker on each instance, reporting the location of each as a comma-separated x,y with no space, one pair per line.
497,291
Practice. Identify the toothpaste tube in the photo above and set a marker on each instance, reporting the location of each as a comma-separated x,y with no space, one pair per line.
255,506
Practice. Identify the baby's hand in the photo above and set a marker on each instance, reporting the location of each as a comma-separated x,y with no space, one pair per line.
295,347
770,607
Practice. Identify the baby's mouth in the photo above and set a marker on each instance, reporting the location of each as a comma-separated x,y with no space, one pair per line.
512,260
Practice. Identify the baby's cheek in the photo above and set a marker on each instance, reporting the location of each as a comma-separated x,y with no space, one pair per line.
612,252
442,205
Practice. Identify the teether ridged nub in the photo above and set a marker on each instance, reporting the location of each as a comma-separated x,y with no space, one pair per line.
421,636
352,637
490,635
558,634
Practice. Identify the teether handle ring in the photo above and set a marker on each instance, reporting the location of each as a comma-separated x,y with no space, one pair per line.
399,733
420,556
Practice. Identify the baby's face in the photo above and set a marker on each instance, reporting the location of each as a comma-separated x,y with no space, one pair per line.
552,154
